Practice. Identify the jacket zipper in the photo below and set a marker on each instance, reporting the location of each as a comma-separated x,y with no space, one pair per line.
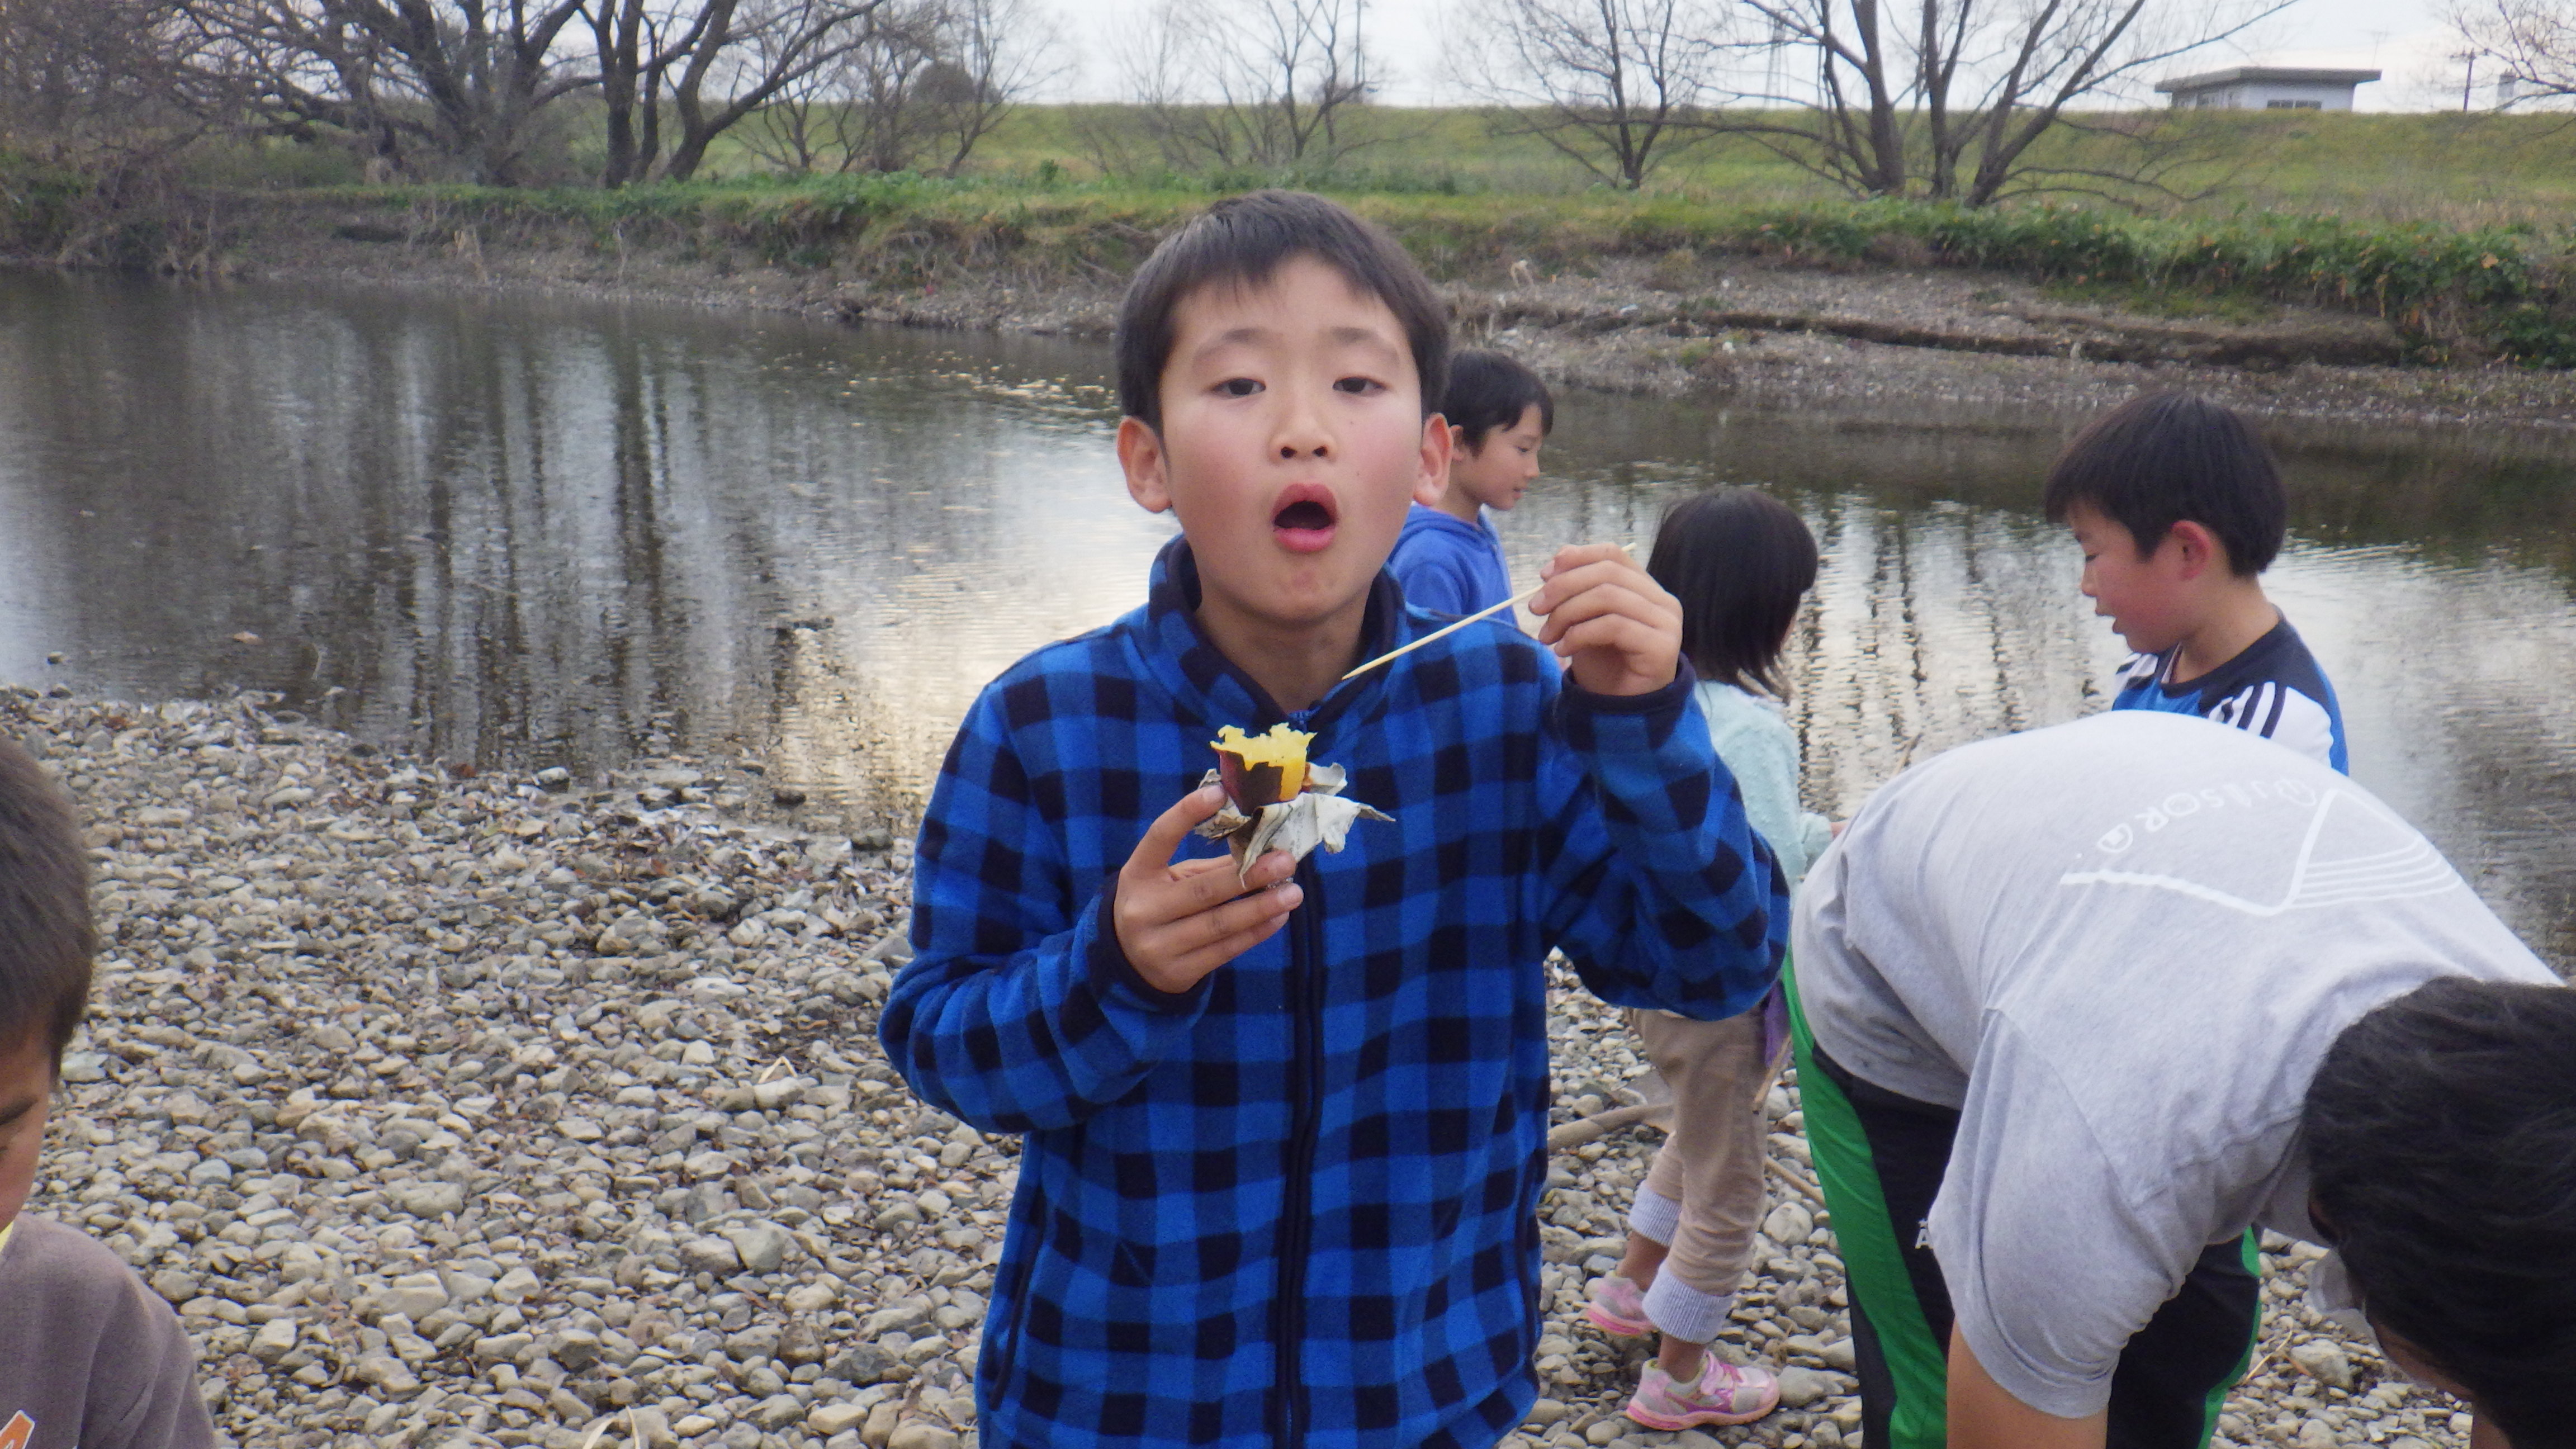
1296,1216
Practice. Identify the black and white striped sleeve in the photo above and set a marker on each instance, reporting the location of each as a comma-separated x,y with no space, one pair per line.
2280,714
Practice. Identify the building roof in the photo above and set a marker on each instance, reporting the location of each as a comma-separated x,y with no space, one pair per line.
2256,74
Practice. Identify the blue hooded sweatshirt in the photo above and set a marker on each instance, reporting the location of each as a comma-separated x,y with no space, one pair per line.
1448,565
1296,1205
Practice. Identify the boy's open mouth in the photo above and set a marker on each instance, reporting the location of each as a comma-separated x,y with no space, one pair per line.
1303,519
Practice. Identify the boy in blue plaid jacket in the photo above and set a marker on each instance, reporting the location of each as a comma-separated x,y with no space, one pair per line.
1284,1134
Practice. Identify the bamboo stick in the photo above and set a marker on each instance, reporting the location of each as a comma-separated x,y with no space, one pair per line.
1441,633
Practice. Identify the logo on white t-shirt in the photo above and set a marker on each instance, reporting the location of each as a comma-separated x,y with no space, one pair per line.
2350,851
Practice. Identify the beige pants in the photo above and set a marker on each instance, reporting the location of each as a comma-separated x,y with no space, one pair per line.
1705,1191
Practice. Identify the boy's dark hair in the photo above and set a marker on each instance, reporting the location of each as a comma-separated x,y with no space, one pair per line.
1489,390
1739,560
45,935
2157,460
1242,241
2441,1136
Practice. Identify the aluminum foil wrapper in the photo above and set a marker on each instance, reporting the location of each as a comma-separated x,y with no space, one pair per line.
1316,816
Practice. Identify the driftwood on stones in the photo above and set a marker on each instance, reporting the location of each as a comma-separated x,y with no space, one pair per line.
1602,1124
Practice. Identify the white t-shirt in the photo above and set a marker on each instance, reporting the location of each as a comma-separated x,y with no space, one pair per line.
2120,947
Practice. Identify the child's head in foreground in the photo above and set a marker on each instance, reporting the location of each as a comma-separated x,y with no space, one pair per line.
45,946
2441,1137
1739,560
1499,413
2171,497
1280,364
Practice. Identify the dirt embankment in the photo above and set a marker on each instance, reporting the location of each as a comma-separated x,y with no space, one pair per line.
1755,330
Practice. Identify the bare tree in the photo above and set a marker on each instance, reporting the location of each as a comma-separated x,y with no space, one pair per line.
87,84
748,52
1268,83
996,53
1946,99
106,95
801,129
926,83
1617,85
468,78
635,44
2529,46
886,121
468,81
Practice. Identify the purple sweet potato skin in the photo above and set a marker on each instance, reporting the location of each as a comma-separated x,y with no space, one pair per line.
1252,786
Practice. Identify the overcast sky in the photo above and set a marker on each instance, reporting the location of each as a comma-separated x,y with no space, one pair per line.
2403,38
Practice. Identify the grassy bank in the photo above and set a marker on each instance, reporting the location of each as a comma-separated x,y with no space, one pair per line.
2503,292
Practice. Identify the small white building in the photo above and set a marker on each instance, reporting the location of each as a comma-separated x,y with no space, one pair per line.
2266,88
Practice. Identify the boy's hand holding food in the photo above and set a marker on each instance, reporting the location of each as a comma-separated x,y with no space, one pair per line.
1179,920
1617,629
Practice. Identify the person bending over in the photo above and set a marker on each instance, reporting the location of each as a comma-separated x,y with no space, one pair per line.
2076,1008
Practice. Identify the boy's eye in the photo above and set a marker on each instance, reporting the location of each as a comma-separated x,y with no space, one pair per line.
1239,387
1361,385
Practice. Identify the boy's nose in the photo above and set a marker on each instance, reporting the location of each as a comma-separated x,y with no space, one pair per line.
1302,435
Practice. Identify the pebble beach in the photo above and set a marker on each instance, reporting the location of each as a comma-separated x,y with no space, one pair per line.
456,1110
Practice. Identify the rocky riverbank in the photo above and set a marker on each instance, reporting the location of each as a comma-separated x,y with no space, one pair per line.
462,1110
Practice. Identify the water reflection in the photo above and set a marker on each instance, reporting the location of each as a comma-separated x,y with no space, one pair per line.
2429,571
503,531
544,533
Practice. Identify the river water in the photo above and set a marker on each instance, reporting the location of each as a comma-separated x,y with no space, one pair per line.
525,532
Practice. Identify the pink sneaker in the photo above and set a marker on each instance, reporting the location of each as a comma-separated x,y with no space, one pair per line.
1618,1307
1725,1394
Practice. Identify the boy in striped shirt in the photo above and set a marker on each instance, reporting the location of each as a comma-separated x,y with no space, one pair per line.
2179,509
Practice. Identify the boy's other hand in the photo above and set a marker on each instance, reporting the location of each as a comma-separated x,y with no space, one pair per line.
1615,627
1179,920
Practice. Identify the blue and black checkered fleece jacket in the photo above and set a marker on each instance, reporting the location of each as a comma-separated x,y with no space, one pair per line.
1297,1205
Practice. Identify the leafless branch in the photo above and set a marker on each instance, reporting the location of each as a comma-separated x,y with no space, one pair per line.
1266,84
1615,85
1947,100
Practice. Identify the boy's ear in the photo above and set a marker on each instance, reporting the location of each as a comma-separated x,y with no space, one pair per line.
1140,453
2200,549
1438,448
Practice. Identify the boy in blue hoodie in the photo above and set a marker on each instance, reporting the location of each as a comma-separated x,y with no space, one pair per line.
1284,1130
1449,559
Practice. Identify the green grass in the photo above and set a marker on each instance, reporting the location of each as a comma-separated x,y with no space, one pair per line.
2454,169
2472,170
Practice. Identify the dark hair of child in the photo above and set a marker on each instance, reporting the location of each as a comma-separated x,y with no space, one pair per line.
2157,460
45,936
2442,1148
1241,241
1739,560
1489,390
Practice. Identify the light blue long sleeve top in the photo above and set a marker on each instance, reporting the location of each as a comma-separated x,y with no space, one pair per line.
1753,737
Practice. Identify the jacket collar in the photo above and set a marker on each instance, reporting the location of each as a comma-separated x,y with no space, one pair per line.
1179,653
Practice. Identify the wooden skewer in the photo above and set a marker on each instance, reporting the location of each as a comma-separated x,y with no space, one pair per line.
1443,632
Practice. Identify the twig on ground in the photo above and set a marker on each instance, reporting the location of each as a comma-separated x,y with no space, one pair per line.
1601,1124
